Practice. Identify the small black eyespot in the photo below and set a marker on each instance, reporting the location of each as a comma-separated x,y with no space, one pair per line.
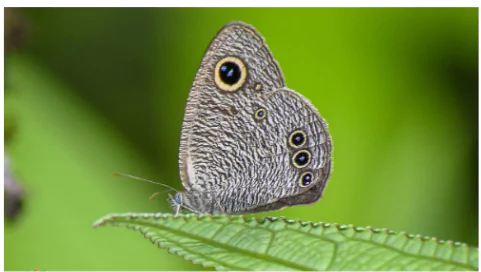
306,179
298,138
302,158
260,114
230,73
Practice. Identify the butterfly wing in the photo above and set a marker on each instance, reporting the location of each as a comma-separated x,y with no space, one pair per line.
205,101
237,138
269,173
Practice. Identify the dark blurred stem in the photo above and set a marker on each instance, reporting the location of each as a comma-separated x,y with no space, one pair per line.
13,192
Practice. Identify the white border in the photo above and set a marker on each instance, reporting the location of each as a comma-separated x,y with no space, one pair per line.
228,3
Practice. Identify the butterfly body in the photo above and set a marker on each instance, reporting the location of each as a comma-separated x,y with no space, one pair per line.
249,144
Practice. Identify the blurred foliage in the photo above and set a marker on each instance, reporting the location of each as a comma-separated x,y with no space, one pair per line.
96,91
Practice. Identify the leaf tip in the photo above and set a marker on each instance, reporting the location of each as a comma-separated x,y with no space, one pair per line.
98,223
103,220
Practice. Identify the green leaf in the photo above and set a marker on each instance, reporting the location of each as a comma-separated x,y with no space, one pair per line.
239,243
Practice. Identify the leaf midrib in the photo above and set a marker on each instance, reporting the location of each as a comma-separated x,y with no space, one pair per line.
267,258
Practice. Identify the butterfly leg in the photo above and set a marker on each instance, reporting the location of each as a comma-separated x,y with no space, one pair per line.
177,210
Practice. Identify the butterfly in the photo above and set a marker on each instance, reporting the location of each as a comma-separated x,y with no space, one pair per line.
248,143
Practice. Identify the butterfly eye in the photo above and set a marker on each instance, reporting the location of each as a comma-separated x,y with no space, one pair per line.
301,159
178,198
230,74
298,138
305,179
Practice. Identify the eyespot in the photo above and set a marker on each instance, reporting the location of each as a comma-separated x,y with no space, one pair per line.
298,138
301,159
260,114
305,179
230,74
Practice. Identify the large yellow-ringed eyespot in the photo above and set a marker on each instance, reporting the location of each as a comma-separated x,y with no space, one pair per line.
297,138
305,179
302,158
260,114
230,74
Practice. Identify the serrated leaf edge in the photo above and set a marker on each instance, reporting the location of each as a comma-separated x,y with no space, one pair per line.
342,228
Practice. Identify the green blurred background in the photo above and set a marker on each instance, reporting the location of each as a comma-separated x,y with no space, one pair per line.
97,91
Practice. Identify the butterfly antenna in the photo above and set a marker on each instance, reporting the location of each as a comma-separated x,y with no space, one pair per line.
154,195
146,180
